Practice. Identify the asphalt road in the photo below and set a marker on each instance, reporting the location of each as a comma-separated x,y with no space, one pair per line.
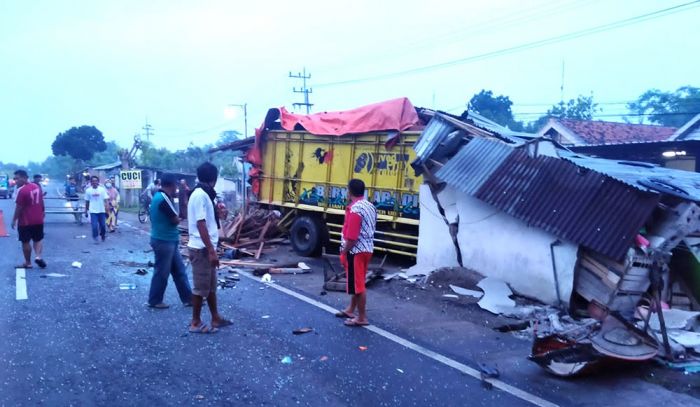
80,340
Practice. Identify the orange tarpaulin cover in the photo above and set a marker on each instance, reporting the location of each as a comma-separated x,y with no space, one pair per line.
394,115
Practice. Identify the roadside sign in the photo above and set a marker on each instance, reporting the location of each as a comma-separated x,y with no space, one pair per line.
130,179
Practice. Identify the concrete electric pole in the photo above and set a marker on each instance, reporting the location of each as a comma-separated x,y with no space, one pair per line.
303,76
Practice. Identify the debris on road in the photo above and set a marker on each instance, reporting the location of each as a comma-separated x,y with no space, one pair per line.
77,264
362,348
141,272
287,360
127,286
53,275
451,296
496,298
300,331
266,278
81,237
466,292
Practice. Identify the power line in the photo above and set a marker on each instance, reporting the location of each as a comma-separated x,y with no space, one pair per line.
526,46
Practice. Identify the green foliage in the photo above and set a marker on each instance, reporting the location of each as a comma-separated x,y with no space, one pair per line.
80,143
187,160
581,108
109,155
496,108
672,109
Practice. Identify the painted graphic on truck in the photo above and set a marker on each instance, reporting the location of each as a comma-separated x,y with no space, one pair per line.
384,200
382,163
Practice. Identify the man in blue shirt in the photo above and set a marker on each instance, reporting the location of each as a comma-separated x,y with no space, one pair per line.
165,239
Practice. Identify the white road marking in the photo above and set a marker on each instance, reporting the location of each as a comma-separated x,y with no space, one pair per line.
514,391
21,284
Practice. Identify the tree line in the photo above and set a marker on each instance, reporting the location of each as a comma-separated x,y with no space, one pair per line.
80,147
665,108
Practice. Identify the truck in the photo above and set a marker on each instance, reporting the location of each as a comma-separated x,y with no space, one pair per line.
304,175
6,186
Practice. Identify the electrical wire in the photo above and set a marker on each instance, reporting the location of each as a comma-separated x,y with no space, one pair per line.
526,46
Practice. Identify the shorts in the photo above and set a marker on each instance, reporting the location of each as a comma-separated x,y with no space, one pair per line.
31,232
203,273
356,272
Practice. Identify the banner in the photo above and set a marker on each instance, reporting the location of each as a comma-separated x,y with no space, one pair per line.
130,179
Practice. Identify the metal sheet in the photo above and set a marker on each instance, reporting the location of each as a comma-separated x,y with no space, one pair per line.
573,203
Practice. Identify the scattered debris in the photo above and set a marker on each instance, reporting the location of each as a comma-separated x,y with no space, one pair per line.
81,237
141,272
399,370
287,360
53,275
487,372
266,278
199,397
300,331
362,348
451,296
496,297
77,264
323,358
127,286
674,318
265,317
465,292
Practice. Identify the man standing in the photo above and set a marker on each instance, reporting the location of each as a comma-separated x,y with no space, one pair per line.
97,204
357,245
29,214
37,180
203,224
165,240
183,194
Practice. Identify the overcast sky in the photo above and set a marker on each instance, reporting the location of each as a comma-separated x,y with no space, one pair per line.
113,64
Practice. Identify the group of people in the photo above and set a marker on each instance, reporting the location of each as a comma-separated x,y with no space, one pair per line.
203,229
203,221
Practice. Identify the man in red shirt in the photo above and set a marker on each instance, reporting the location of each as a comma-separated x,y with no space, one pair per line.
357,245
29,218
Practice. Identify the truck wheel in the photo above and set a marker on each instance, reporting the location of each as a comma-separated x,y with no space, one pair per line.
306,236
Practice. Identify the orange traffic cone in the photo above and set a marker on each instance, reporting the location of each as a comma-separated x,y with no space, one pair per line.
3,229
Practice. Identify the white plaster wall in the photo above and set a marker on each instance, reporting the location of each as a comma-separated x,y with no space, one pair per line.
494,244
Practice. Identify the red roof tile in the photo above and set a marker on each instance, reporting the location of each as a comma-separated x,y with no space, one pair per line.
599,132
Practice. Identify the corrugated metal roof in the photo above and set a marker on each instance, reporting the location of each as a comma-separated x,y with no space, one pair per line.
434,134
575,204
438,140
644,176
474,164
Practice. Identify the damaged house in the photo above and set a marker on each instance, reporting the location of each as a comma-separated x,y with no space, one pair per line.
613,242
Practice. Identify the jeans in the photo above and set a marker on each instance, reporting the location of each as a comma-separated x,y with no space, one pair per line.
98,220
168,261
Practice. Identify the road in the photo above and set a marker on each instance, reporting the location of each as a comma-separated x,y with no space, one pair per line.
79,339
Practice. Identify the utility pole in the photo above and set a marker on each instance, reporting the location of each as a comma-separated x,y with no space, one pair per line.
148,129
303,76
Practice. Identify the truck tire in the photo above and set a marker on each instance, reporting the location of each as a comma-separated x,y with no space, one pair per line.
306,236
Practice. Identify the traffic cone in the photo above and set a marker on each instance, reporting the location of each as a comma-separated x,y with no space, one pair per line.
3,229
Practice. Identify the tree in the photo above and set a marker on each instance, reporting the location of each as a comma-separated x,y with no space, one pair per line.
108,156
496,108
81,143
581,108
671,109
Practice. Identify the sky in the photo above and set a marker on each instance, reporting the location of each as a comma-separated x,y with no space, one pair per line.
179,64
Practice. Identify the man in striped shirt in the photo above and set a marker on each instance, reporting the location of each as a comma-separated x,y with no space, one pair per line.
356,251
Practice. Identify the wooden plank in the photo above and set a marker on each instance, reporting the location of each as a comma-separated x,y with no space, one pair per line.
592,288
259,252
